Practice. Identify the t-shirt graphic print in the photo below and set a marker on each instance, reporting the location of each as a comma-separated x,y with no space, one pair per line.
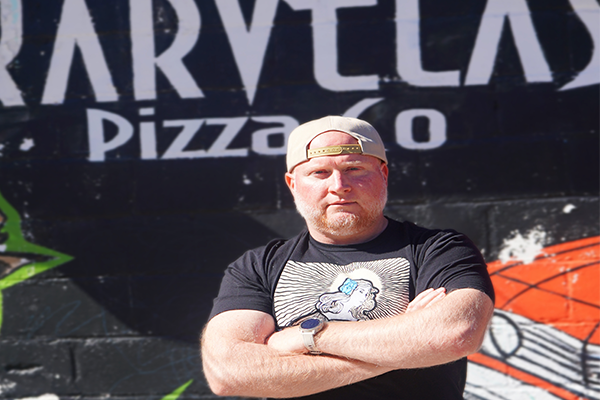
353,292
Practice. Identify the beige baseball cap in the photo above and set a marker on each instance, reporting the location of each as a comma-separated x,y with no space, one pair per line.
369,141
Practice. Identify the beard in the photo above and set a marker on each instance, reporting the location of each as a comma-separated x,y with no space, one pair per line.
343,223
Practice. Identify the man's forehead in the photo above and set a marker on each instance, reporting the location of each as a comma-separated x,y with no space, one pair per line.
343,158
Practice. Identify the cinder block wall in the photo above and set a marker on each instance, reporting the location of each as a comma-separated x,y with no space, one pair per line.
141,151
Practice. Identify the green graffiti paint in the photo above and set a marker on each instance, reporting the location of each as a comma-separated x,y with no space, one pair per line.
34,259
175,395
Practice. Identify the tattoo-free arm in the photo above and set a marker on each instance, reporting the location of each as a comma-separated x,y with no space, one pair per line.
237,362
445,331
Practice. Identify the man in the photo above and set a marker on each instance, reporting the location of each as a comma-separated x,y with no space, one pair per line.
357,306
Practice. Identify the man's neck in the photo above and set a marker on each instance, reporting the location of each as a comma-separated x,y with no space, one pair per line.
356,238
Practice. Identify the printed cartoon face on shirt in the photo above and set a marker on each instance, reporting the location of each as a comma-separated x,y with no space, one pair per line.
353,292
350,303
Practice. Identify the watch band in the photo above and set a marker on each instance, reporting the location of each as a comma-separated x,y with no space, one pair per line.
308,329
309,342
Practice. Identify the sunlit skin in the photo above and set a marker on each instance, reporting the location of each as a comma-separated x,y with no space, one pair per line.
341,197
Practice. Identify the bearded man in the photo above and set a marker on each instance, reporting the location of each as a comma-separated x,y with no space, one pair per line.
427,294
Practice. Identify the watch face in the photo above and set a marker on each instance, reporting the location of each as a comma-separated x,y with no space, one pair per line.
310,323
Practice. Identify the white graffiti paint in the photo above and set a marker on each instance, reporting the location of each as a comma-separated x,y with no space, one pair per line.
523,248
496,13
27,144
6,385
170,61
249,43
588,12
11,39
489,384
42,397
541,350
76,29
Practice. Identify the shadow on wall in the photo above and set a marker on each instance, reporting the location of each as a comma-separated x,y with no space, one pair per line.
158,276
131,276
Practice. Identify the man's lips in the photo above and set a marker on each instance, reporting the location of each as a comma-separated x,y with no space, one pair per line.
342,203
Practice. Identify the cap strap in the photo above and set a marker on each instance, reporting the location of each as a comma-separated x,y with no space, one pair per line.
334,150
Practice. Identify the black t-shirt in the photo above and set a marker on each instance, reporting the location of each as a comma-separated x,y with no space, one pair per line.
301,277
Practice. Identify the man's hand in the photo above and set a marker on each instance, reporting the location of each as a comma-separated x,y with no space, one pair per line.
289,340
426,298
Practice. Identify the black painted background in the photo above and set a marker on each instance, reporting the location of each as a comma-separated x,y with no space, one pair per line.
150,239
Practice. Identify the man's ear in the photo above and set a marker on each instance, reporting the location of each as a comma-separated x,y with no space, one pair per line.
385,171
289,180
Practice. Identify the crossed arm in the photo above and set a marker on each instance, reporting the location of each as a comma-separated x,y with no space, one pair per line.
243,355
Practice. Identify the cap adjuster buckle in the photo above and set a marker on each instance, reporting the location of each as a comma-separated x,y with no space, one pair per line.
334,150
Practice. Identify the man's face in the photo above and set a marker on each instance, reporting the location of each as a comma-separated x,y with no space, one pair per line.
339,195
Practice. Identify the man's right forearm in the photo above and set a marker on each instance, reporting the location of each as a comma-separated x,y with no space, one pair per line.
254,373
243,368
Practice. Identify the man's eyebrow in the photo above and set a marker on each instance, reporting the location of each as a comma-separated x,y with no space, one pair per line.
353,162
342,163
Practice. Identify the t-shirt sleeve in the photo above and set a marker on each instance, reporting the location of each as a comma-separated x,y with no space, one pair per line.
245,284
451,260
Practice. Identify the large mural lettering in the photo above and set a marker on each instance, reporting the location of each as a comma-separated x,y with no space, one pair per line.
142,149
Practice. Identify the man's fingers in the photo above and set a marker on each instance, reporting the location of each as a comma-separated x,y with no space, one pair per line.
426,298
288,340
439,296
428,295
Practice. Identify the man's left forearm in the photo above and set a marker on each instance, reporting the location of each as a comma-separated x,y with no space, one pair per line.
449,330
446,331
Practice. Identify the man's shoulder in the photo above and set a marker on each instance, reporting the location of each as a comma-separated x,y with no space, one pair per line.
275,248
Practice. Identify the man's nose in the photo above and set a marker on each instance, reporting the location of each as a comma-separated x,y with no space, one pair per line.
338,183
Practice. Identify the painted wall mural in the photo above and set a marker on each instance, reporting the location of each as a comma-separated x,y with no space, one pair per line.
19,259
141,151
545,330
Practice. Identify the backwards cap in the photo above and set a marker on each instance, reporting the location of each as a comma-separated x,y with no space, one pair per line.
369,142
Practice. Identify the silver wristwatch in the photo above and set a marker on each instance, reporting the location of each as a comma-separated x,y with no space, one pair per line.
308,329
